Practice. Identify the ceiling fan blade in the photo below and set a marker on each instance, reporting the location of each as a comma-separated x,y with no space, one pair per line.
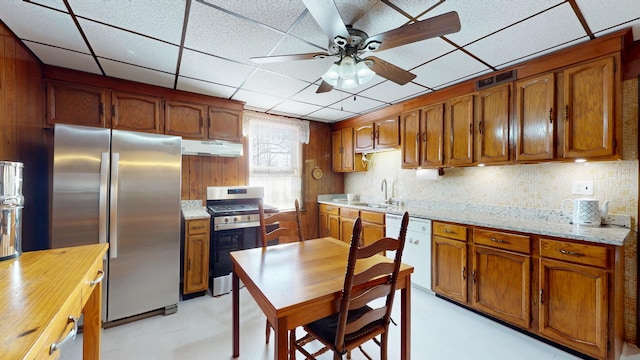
281,58
324,87
327,16
389,71
446,23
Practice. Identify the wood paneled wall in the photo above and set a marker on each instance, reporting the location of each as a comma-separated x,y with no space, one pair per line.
21,135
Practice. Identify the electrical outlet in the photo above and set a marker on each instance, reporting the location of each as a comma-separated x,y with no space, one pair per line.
582,187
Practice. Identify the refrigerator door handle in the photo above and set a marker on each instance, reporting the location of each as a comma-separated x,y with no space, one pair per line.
104,182
113,217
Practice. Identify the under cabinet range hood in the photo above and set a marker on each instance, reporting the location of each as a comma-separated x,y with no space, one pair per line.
211,148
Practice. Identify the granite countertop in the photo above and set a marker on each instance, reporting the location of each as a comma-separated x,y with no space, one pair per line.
193,210
610,233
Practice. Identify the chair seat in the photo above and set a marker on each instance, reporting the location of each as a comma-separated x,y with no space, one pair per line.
327,327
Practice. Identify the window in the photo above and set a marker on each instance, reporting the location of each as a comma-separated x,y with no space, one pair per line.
275,156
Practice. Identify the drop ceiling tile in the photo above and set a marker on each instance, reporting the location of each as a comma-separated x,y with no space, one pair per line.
358,104
135,73
380,18
44,25
218,33
257,100
540,53
415,8
161,19
351,11
275,13
64,58
119,45
551,28
409,56
390,92
291,108
56,4
274,84
451,67
307,29
600,15
310,96
481,18
203,87
309,70
329,115
208,68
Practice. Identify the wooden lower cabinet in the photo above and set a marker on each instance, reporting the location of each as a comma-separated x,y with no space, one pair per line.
348,218
337,222
329,221
569,292
196,256
373,227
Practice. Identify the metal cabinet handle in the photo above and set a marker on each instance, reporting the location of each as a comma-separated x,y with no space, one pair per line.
464,273
499,241
447,231
198,227
550,115
541,297
566,112
99,279
70,336
571,253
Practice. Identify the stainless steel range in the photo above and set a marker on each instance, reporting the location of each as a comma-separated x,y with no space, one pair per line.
235,226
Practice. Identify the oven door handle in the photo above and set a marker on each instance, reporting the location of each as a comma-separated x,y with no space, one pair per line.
233,226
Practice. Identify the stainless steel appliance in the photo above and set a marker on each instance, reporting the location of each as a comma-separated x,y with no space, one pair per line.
121,187
235,226
417,249
11,204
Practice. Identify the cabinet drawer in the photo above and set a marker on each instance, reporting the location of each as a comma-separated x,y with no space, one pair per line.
329,209
349,213
197,226
372,217
506,241
60,326
96,271
451,231
586,254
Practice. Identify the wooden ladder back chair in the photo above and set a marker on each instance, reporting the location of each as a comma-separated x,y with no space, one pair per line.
289,226
357,321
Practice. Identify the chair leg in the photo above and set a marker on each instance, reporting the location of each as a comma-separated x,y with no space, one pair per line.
268,332
292,344
383,346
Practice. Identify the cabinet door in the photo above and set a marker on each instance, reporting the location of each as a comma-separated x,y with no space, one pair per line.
197,263
387,133
432,145
225,124
589,109
333,222
501,284
336,151
449,268
135,112
459,131
323,224
364,137
411,139
371,233
75,104
347,150
573,306
493,124
184,119
535,118
346,229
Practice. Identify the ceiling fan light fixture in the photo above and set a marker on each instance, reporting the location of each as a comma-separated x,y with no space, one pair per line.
363,73
348,73
332,75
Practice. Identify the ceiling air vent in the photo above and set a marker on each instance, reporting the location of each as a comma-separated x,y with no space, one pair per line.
496,79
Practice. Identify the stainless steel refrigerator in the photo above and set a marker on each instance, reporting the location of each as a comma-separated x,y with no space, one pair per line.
121,187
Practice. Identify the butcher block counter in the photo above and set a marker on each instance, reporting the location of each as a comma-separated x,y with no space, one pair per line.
41,292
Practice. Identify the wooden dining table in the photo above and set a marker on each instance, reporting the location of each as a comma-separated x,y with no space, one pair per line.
297,283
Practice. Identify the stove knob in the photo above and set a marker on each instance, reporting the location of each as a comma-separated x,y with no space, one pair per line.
226,220
248,217
235,219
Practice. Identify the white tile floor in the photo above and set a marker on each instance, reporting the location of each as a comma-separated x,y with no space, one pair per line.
201,329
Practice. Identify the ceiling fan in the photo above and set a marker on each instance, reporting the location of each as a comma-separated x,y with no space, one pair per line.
351,47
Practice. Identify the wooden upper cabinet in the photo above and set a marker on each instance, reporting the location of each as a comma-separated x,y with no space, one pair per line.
225,124
535,118
342,150
458,131
185,119
589,109
136,112
75,104
381,134
492,114
423,136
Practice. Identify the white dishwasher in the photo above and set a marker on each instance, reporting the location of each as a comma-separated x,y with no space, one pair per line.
417,247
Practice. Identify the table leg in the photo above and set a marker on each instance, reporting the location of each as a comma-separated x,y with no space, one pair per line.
235,294
92,331
281,339
405,321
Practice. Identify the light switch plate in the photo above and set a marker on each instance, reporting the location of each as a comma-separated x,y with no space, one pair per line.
582,187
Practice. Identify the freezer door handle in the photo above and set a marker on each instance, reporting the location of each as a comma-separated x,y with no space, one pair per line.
104,182
113,211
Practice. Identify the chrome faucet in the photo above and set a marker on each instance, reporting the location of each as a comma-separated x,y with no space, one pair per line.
383,187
